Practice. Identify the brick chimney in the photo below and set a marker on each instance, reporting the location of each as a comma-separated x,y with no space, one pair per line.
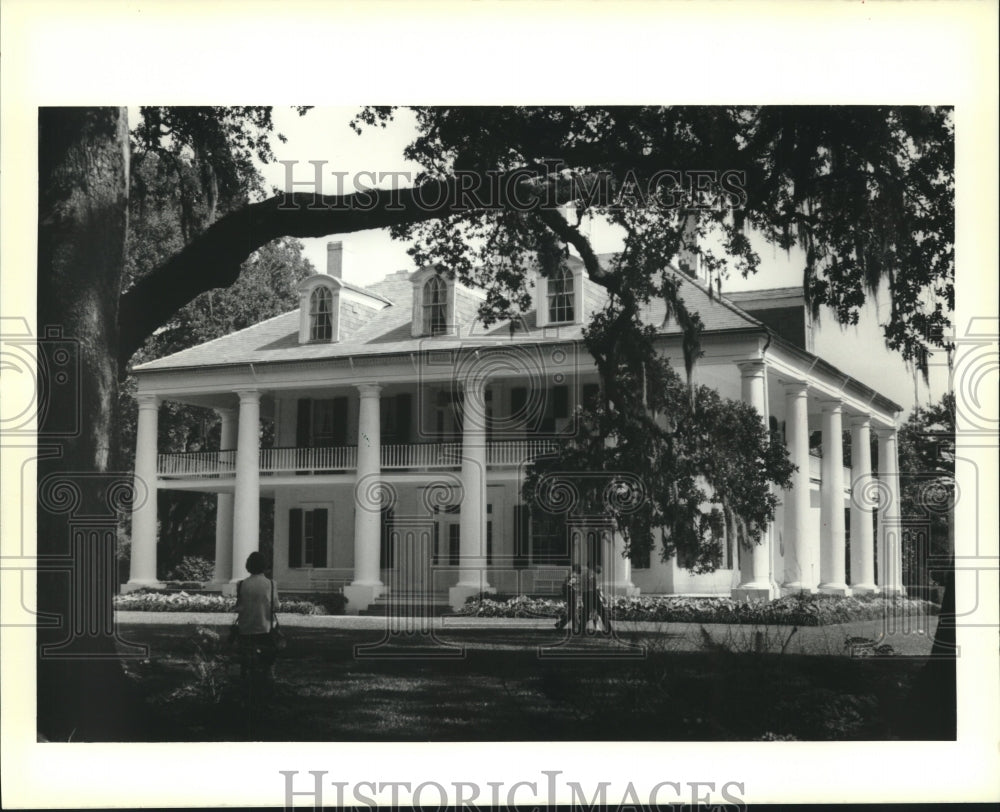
335,259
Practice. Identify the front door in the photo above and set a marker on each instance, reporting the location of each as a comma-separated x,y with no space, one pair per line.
412,545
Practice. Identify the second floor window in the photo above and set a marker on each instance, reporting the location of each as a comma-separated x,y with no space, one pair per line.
321,315
561,297
435,306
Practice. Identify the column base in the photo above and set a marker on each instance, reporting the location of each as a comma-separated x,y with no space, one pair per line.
752,592
835,589
361,596
460,593
897,591
864,589
797,587
215,586
135,586
624,590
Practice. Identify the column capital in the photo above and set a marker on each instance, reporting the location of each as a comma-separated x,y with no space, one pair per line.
795,387
248,395
226,412
147,401
369,390
752,367
861,421
832,405
885,433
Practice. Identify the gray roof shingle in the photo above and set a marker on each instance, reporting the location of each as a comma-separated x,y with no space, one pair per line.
389,331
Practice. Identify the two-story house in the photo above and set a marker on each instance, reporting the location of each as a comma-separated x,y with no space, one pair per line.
403,427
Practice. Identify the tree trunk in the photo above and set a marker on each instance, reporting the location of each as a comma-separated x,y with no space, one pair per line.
82,223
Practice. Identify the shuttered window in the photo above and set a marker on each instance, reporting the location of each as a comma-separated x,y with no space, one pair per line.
321,422
308,535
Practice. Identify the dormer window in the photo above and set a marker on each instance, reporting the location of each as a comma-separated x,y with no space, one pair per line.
435,303
560,297
321,315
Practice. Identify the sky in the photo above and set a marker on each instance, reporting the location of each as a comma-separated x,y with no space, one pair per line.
324,134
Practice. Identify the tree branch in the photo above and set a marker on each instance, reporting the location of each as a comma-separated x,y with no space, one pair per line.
570,234
213,258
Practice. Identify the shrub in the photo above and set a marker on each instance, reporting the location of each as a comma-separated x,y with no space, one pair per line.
192,568
798,610
150,600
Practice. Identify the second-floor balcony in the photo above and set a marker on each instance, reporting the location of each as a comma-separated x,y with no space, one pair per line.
343,459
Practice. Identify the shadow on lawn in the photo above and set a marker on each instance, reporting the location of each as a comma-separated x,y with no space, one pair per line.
501,690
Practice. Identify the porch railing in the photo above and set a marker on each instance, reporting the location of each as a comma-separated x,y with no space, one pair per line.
337,459
196,464
328,458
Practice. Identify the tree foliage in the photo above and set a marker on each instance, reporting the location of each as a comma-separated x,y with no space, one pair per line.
189,166
926,448
866,192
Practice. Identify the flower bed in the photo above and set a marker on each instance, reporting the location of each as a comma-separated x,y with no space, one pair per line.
160,601
798,610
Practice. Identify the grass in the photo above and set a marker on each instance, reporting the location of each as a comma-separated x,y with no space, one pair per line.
691,684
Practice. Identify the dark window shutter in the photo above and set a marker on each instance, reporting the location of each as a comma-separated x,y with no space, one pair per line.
303,429
518,401
548,414
454,544
319,537
295,538
521,535
404,416
387,554
560,402
340,421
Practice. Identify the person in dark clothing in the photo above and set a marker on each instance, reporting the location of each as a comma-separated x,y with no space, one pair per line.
256,598
588,597
600,602
570,588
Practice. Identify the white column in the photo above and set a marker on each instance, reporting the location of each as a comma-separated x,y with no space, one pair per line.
367,584
618,566
246,501
832,541
472,577
142,566
797,559
890,558
224,507
755,563
862,531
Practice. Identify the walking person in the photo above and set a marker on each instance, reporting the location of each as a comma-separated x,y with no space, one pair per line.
256,600
588,596
570,588
601,602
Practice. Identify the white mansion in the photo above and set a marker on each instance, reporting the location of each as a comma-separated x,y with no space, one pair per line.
402,428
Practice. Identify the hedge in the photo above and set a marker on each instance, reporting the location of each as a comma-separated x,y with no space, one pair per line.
799,610
160,601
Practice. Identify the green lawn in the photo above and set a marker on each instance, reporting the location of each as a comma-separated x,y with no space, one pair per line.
508,684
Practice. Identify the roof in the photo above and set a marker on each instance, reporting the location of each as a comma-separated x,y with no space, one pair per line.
388,331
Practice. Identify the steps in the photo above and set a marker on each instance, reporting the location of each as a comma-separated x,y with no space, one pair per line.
408,605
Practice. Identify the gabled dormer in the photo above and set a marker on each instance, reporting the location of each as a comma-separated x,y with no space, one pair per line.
559,297
435,303
330,309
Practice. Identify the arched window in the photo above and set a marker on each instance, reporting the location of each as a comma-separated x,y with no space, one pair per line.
435,306
321,315
561,296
